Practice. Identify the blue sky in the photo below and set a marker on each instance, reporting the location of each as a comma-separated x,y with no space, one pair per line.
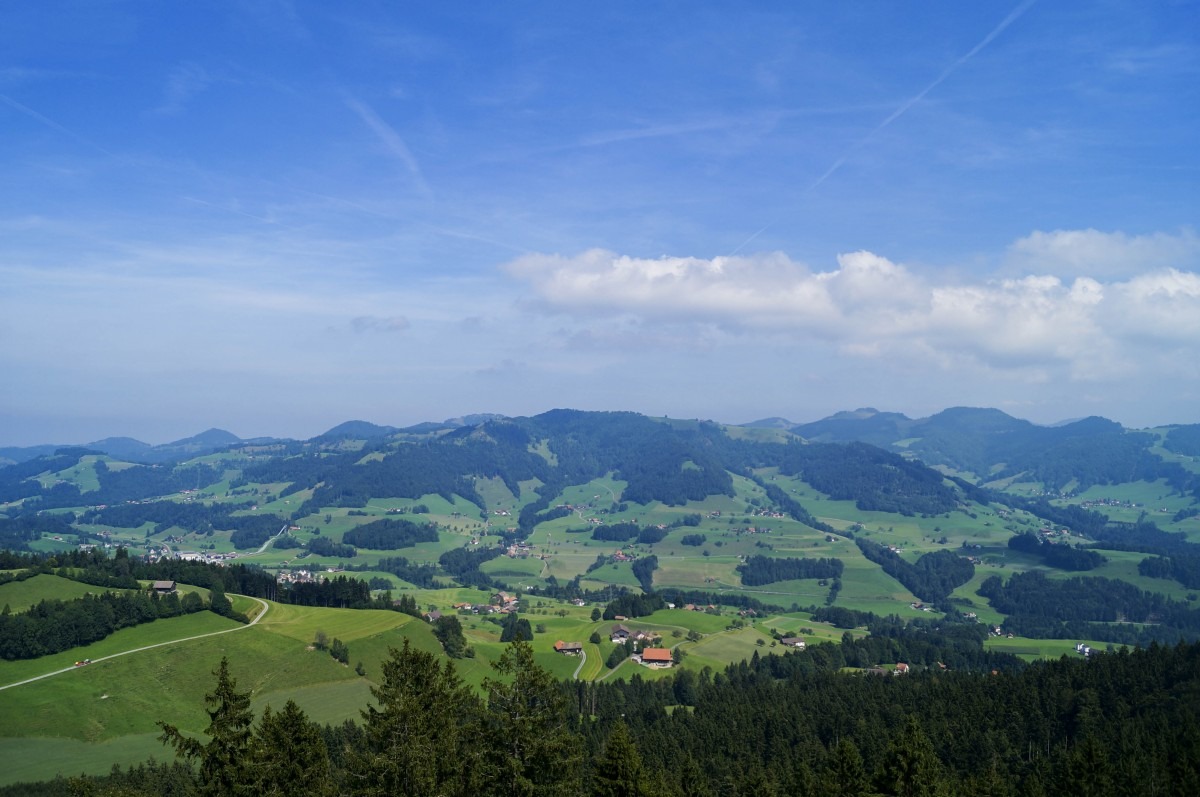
275,216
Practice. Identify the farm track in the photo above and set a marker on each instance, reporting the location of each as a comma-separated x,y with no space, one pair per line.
265,608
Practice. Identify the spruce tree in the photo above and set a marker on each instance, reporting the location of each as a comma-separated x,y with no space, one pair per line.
618,772
533,750
845,775
290,757
225,759
421,739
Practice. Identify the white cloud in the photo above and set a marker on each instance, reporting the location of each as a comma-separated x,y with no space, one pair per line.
1047,326
1101,254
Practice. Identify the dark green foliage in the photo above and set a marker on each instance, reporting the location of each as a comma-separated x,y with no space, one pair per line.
533,749
464,565
1084,607
289,757
793,508
116,486
17,533
515,629
339,651
448,631
842,617
651,534
323,546
759,570
844,773
225,760
422,737
693,539
53,626
1064,557
643,571
420,575
1183,568
388,534
1184,440
618,771
338,592
616,532
634,606
875,480
249,531
933,577
912,768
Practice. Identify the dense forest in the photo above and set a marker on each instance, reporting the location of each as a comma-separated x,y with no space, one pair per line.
389,534
1060,555
1088,607
759,570
1124,723
934,576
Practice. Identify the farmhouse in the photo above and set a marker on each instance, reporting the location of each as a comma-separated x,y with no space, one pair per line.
792,642
569,648
657,657
433,616
620,634
163,587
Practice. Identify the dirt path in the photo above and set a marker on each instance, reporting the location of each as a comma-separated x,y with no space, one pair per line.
259,616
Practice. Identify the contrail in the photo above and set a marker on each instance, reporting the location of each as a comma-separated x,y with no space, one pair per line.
48,122
1012,17
391,139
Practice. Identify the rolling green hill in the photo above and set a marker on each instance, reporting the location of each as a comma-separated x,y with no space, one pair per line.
567,504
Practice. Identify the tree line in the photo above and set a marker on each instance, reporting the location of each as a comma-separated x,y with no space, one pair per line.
932,578
794,724
759,570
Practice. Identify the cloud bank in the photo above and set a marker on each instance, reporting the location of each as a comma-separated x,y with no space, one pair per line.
870,306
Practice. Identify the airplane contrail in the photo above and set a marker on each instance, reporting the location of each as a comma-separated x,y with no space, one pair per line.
48,122
903,108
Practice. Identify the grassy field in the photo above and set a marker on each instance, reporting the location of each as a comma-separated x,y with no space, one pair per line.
86,719
20,595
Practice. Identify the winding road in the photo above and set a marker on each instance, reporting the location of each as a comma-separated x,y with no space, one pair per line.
257,617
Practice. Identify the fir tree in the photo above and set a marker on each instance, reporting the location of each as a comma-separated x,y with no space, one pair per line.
618,772
533,750
421,739
225,759
290,758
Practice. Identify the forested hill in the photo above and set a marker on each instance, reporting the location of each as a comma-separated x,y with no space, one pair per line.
672,462
669,462
994,446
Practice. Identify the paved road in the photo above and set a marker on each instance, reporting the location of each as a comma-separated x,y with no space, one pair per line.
259,616
582,661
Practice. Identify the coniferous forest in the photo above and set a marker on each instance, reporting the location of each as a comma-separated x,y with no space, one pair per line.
1121,723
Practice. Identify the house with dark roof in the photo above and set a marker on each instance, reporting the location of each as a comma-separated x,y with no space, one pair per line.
792,642
163,587
620,634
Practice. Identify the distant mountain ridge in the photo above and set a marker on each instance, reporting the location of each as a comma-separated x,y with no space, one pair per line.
985,443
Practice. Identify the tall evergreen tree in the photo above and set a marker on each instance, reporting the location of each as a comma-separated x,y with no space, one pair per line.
845,775
618,772
421,739
290,757
913,768
225,760
533,750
